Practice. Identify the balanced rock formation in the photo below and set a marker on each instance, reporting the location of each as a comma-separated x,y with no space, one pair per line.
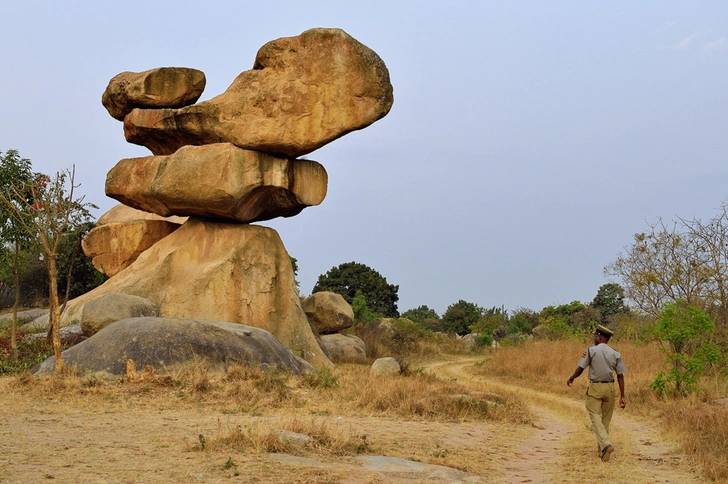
103,311
328,312
229,183
302,93
164,87
161,343
221,272
122,233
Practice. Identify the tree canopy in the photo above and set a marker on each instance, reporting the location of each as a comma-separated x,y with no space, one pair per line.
459,317
351,277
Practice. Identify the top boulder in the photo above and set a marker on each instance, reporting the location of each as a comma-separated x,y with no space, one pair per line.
164,87
302,93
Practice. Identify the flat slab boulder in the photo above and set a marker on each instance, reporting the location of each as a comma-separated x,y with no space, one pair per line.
302,93
344,348
122,234
328,312
161,343
163,87
218,271
218,181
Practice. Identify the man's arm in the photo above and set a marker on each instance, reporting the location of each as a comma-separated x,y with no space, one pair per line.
622,400
577,373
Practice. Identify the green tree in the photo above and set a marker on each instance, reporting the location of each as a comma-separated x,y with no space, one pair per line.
420,314
461,316
362,313
349,278
52,207
684,331
610,301
14,171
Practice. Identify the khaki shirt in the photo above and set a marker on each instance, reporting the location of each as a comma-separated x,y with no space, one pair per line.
602,362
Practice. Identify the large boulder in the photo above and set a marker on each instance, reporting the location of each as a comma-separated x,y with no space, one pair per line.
218,271
328,312
229,183
102,311
164,87
163,343
344,348
122,234
302,93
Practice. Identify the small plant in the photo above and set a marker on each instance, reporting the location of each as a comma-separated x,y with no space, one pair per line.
684,330
322,378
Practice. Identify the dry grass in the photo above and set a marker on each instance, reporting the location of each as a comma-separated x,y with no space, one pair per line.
700,426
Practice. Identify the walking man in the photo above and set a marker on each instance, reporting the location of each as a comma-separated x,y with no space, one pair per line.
602,361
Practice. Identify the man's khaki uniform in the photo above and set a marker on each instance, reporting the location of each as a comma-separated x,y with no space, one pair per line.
602,361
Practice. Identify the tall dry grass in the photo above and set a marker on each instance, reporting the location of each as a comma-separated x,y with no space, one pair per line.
698,423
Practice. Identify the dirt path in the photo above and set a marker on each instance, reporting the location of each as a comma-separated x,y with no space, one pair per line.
559,437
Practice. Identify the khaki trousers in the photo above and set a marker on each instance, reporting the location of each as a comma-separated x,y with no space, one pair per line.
600,405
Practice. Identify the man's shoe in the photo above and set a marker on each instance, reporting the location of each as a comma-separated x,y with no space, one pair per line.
607,453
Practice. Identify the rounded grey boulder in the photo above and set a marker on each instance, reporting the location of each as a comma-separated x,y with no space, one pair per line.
106,309
161,343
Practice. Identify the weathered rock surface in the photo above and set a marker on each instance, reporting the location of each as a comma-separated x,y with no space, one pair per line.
163,342
396,468
302,93
222,272
104,310
24,317
164,87
328,312
385,366
229,183
122,234
344,348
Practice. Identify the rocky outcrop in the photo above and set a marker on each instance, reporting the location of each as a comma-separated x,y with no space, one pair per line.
344,348
104,310
302,93
229,183
328,312
163,343
221,272
122,234
164,87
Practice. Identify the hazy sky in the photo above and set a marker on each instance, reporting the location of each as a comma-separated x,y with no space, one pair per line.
527,143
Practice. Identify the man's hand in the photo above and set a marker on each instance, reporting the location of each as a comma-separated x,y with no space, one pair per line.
569,381
622,402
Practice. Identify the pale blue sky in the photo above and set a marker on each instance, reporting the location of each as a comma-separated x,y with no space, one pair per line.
528,141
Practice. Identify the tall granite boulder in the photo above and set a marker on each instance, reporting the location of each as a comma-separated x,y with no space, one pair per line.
218,271
229,183
163,87
122,233
302,93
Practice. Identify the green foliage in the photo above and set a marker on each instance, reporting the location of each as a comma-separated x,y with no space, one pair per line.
461,316
294,266
610,301
519,324
362,313
493,322
685,330
484,341
31,351
420,314
351,277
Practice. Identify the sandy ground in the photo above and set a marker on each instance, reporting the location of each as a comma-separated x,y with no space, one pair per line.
151,440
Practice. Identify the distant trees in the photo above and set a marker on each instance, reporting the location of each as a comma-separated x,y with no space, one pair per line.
609,301
425,316
459,317
352,277
686,259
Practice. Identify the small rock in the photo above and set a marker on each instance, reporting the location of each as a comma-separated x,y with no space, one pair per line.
385,366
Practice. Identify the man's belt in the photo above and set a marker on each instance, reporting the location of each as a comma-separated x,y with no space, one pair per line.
594,381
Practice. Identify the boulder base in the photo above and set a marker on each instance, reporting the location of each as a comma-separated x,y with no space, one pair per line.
221,272
344,348
163,343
